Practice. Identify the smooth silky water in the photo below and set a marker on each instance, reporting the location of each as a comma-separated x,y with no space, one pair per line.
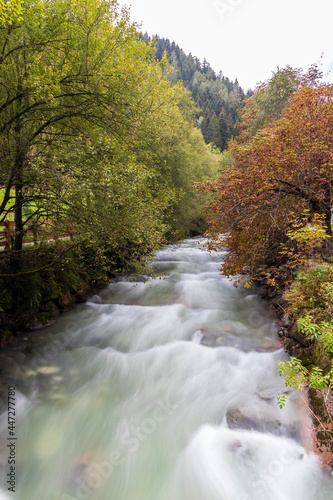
160,390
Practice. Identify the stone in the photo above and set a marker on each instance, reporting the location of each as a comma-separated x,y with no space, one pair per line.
237,419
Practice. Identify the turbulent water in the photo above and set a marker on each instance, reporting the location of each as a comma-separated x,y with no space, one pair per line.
163,390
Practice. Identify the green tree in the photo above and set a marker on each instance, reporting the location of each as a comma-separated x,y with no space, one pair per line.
10,12
213,130
188,160
56,80
86,117
226,128
211,93
270,99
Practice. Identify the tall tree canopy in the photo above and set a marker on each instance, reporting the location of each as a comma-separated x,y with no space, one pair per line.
280,170
90,124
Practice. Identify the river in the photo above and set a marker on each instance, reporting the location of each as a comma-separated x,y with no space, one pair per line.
158,390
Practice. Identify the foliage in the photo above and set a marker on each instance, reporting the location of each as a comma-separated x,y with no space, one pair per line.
189,160
92,131
315,376
309,299
217,98
296,375
269,101
271,98
307,236
277,174
10,12
94,135
226,160
50,280
311,292
281,400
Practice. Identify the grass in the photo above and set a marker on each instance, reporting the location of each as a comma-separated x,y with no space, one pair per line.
10,203
28,238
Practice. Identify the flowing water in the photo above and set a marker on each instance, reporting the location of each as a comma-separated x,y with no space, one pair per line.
163,390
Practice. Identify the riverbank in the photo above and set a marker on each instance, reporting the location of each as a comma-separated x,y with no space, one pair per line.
43,284
300,346
49,280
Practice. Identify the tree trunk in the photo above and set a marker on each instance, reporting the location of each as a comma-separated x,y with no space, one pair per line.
18,218
323,207
327,205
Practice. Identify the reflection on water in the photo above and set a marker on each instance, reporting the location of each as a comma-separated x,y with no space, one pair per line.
164,390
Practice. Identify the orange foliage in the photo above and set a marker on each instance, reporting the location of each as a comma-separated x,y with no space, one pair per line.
279,172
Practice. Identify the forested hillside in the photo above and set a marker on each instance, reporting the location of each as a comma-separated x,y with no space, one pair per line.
218,98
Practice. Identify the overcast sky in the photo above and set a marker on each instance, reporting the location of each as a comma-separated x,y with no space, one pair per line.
245,39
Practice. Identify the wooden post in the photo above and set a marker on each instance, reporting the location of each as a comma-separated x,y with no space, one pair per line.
34,231
56,231
7,236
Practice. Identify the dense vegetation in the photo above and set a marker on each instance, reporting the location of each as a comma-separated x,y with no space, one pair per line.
98,133
104,131
94,135
273,205
217,98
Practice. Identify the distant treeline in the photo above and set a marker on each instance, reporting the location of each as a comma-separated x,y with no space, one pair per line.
218,98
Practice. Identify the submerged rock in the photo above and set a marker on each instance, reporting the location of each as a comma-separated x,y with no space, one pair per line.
236,419
49,370
237,342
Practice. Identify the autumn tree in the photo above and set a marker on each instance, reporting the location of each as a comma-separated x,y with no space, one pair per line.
279,170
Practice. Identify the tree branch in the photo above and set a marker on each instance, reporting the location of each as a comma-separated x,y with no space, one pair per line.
8,103
6,196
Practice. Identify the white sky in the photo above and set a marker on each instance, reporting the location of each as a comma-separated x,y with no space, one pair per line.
246,39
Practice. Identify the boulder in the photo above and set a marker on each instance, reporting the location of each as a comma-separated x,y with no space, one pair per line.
237,419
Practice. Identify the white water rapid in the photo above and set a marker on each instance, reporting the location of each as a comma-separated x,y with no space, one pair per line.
164,390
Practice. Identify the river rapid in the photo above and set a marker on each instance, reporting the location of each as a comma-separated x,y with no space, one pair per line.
158,390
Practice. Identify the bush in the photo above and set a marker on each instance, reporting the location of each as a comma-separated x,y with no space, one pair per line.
312,291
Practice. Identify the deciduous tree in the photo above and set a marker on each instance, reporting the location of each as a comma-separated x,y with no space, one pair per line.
278,171
88,121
